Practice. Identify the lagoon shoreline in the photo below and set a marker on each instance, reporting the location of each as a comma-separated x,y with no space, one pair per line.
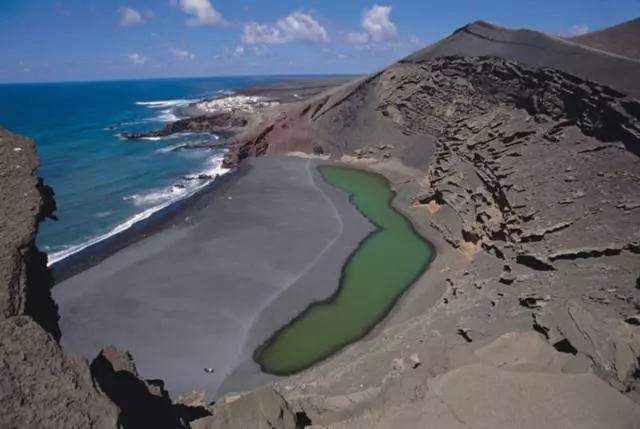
144,272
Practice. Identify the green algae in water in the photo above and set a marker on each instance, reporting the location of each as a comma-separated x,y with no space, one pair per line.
385,264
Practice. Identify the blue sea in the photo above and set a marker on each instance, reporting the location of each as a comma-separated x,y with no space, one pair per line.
104,184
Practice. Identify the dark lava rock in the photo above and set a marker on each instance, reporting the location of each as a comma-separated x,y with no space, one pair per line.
41,387
198,124
143,403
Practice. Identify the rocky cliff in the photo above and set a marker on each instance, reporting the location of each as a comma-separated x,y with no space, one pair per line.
40,385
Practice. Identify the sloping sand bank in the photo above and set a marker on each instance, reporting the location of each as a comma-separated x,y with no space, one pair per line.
186,298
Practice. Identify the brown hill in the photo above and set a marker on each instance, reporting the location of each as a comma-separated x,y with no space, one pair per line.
537,50
622,39
521,156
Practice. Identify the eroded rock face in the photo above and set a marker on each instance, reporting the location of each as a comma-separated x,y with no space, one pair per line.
41,387
260,409
530,173
143,403
25,283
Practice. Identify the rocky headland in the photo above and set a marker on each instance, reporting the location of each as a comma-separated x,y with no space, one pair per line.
209,123
515,153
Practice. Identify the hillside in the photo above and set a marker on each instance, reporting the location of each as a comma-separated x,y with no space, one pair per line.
622,39
523,158
516,154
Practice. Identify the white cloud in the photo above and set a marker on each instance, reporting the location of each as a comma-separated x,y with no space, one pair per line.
415,40
238,51
299,25
136,58
578,29
262,33
358,38
295,26
129,16
342,57
377,23
259,51
203,13
181,54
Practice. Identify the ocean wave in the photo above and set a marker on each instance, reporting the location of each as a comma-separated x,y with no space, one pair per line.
168,115
170,148
161,104
70,250
156,197
100,215
143,121
162,199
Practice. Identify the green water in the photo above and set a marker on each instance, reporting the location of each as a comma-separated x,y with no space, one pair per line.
385,264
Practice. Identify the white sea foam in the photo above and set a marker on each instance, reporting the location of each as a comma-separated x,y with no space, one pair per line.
102,214
162,199
169,106
156,197
161,104
169,148
174,147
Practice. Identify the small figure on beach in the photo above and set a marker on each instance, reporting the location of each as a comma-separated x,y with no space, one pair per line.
209,370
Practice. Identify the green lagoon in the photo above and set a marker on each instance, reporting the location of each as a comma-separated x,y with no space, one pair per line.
385,264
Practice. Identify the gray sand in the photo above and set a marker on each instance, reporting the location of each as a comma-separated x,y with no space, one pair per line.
205,293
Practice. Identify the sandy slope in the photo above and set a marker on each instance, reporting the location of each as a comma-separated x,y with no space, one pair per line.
622,39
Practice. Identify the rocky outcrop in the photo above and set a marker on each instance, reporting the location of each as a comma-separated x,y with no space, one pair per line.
24,201
142,403
260,409
41,387
209,123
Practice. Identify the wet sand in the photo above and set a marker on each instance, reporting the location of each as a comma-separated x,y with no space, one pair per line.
245,260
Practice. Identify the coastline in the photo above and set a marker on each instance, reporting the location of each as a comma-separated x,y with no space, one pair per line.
286,274
170,216
279,311
279,92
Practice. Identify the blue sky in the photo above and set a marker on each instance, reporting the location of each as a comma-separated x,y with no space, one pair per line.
60,40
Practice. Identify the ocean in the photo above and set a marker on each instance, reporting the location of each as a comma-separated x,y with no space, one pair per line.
104,184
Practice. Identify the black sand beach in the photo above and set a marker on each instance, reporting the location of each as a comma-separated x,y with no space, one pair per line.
247,259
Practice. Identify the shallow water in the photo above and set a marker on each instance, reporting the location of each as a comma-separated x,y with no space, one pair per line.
385,264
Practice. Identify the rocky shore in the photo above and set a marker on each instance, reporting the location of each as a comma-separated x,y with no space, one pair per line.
209,123
233,113
515,153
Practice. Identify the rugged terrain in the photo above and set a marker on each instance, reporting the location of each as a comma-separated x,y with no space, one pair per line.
516,154
524,162
40,385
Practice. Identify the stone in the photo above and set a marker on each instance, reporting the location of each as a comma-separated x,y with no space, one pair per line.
260,409
41,387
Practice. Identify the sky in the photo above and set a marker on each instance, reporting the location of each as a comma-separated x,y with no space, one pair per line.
69,40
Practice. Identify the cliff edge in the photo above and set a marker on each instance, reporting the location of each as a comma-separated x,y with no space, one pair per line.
40,385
